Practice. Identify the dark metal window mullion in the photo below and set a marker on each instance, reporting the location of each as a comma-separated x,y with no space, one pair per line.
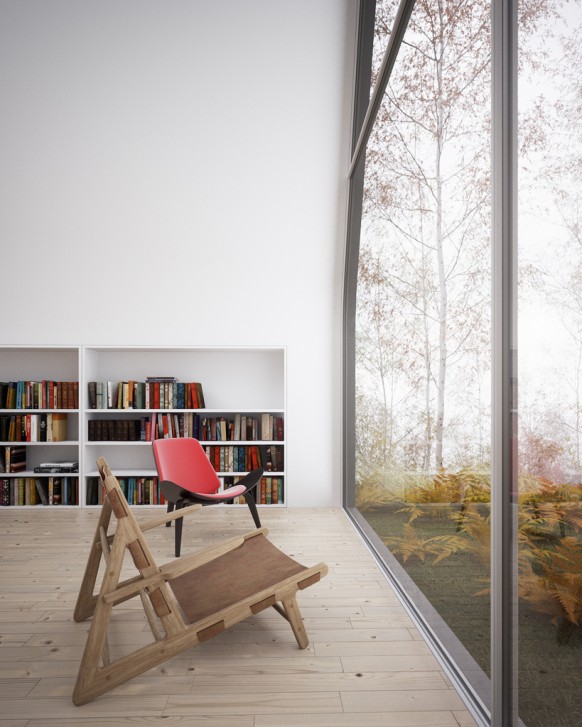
504,378
365,47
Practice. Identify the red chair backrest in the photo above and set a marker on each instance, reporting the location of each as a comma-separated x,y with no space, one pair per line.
183,461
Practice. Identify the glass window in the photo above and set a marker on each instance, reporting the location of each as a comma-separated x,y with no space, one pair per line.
422,348
550,367
418,457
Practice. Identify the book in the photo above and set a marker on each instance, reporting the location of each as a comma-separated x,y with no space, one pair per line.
33,428
11,395
279,429
201,404
180,398
269,460
54,467
18,491
59,427
266,427
41,488
92,387
30,493
5,492
111,391
43,428
139,396
3,394
100,399
55,491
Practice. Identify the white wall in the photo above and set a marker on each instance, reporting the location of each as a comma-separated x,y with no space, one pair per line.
173,172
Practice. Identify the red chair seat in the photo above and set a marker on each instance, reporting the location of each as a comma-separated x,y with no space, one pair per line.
228,493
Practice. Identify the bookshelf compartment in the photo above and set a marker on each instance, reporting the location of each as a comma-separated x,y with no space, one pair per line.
39,427
35,455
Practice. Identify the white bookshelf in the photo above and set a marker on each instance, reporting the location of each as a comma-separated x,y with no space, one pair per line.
235,380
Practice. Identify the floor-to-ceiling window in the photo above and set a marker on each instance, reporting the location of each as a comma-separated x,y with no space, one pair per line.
422,349
418,354
550,365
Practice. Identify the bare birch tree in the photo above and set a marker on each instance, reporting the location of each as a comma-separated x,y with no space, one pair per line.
427,211
426,181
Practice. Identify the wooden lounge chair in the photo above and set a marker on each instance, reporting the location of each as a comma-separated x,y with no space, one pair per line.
186,601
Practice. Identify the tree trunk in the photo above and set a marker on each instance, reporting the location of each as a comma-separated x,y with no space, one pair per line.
442,281
427,381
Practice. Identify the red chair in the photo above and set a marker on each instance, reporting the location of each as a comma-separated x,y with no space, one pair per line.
188,478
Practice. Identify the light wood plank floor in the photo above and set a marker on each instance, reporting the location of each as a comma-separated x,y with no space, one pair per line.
366,665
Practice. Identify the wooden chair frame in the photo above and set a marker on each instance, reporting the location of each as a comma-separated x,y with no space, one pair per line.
167,614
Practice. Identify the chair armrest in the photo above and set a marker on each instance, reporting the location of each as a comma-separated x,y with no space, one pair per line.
168,517
131,588
251,480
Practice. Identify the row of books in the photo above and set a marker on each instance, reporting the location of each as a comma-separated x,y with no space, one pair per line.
237,428
33,428
144,429
39,491
243,427
39,394
208,429
119,430
150,394
244,458
235,459
12,459
270,491
20,491
137,490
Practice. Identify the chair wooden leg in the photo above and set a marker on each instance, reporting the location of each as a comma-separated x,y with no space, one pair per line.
250,500
86,600
294,617
93,680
